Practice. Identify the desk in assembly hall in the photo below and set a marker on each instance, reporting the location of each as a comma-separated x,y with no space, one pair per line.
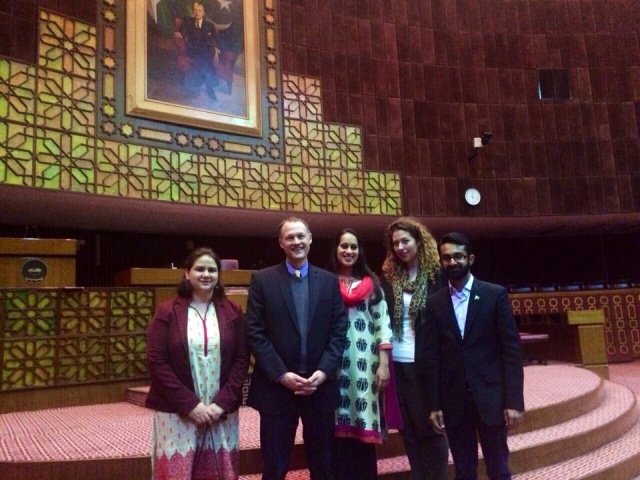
165,280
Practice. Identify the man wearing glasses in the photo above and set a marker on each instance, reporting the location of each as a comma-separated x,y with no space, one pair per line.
472,364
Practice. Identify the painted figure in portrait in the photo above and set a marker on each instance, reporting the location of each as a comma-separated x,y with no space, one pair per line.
195,54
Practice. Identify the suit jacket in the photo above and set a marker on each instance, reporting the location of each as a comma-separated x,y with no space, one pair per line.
172,387
274,337
487,360
199,42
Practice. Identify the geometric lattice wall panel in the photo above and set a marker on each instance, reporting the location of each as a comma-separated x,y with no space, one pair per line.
328,157
65,161
28,363
174,176
123,170
323,144
16,154
66,103
82,360
302,97
130,311
221,182
127,356
67,46
54,337
17,92
266,186
30,314
59,130
84,313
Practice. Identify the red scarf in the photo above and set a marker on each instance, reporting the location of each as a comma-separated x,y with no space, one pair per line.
358,293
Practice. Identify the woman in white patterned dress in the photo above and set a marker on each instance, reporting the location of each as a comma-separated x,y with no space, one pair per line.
197,360
365,363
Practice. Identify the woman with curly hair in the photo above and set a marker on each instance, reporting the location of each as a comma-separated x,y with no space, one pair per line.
411,272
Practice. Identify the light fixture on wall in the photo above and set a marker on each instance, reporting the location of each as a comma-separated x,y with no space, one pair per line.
472,195
478,143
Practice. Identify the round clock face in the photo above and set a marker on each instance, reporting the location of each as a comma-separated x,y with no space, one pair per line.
472,196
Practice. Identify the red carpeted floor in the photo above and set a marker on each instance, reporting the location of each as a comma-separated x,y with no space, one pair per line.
123,429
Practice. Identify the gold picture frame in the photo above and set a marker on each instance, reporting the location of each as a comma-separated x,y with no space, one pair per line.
153,72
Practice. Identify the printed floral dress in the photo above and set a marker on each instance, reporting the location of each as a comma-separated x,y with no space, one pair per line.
358,415
175,437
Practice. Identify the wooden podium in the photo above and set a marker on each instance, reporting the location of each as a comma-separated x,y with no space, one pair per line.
165,280
575,336
37,262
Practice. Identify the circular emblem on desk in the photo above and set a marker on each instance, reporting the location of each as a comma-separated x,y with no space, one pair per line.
34,270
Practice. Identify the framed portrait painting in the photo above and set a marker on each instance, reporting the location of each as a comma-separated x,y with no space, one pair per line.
195,63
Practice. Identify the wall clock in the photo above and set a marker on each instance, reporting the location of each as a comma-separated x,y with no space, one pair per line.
472,196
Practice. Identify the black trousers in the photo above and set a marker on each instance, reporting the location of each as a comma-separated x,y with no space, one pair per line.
354,460
463,440
277,438
427,449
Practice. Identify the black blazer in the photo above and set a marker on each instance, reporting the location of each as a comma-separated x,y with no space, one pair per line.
487,360
200,42
274,337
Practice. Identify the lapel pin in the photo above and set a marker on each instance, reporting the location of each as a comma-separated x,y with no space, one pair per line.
476,297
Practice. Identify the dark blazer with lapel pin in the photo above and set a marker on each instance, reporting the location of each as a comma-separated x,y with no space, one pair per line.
274,337
487,359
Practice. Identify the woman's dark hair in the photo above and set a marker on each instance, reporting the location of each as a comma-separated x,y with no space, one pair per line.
360,268
184,287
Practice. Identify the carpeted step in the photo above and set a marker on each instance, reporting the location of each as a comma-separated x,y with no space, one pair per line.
558,393
617,460
612,418
137,395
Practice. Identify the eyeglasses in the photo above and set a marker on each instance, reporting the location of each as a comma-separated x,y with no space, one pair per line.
458,257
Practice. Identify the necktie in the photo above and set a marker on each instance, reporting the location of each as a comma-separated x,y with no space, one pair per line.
198,24
296,273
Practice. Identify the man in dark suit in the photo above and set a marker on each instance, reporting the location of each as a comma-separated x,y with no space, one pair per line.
196,40
472,364
296,331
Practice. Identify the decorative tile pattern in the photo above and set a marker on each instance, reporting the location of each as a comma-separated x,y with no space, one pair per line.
29,314
64,161
122,169
222,182
16,154
302,97
28,363
48,136
54,337
84,313
67,46
130,310
17,92
82,360
66,102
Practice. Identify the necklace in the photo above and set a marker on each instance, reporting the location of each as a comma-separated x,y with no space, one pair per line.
203,319
346,281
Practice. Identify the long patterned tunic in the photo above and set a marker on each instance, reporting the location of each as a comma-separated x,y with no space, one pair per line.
369,328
